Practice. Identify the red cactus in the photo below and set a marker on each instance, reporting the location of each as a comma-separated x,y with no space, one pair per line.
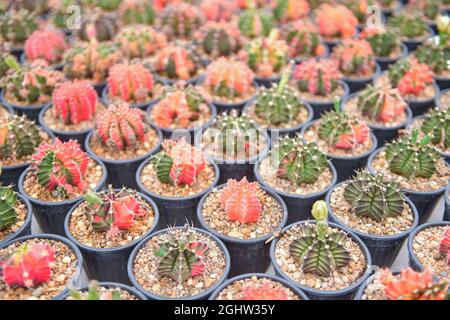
415,79
392,108
130,82
444,245
264,292
45,44
218,10
336,21
28,266
359,134
242,201
120,126
75,102
354,57
294,10
318,77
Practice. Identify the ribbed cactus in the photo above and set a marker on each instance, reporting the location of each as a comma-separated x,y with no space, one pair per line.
255,23
94,293
318,77
176,61
98,25
140,41
318,249
130,83
427,8
8,200
19,137
219,39
137,12
45,44
410,76
180,20
354,57
381,103
436,125
181,257
74,102
335,21
444,246
121,127
374,196
264,292
17,26
434,55
178,163
410,157
408,26
290,10
383,41
303,39
60,168
297,161
218,10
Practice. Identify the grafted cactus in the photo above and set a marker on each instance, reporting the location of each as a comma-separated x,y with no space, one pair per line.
181,257
137,12
374,196
408,26
318,77
8,200
410,76
426,8
45,44
360,8
297,161
17,26
354,57
177,61
264,292
335,21
219,39
255,23
19,137
437,126
444,246
218,10
4,65
382,40
60,13
140,41
180,20
94,293
434,55
410,157
98,25
303,39
318,249
290,10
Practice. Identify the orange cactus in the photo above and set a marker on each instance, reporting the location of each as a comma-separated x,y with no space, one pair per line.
381,103
218,10
292,10
415,80
336,21
359,134
264,292
175,62
355,57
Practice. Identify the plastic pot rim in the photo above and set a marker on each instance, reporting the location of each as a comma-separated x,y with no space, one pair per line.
106,101
316,102
438,98
369,280
169,82
431,34
55,66
55,131
26,222
112,285
207,292
447,194
374,75
403,53
31,107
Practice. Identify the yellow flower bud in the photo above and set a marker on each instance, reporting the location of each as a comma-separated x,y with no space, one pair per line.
319,210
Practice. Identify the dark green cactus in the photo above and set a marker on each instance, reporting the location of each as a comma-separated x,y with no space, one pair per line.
374,196
318,249
105,26
216,40
246,22
409,26
435,56
8,199
437,126
162,164
410,157
18,138
383,43
297,161
137,12
17,26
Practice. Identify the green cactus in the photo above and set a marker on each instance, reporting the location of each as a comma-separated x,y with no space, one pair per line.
8,199
246,22
437,126
297,161
94,293
18,138
318,249
162,164
374,196
434,55
137,12
383,43
17,26
60,14
397,70
410,157
4,65
408,26
216,41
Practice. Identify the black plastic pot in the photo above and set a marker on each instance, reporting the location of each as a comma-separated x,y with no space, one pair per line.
99,87
76,277
108,264
31,112
383,249
385,62
425,202
25,229
346,166
189,133
267,82
383,134
298,206
355,84
10,174
447,204
413,260
170,82
314,294
200,296
443,83
121,172
7,108
17,52
58,66
288,285
106,101
389,12
362,288
175,211
419,107
249,255
51,215
413,44
112,285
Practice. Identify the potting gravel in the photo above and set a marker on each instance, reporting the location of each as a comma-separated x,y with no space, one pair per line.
56,123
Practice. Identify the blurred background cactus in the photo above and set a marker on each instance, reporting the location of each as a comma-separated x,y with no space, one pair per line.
140,41
17,26
137,12
180,20
217,39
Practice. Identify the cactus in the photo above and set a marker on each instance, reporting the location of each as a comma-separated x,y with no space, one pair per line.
242,200
335,21
413,285
106,5
98,25
374,196
94,293
303,39
180,20
228,78
60,168
264,292
427,8
267,56
354,57
408,26
218,10
341,130
60,13
110,211
410,157
278,104
435,56
436,125
383,104
45,44
91,61
297,161
19,137
178,108
28,266
176,61
137,12
219,39
140,41
130,82
8,214
121,127
318,249
444,246
290,10
255,23
383,41
5,66
410,76
359,8
318,77
178,163
17,26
